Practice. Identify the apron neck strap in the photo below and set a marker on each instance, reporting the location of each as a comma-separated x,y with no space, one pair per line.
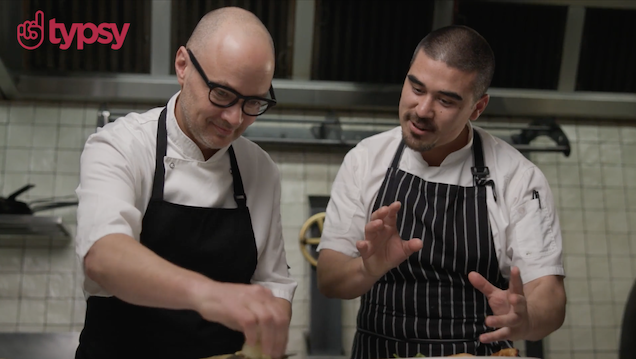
481,173
398,155
479,170
239,191
160,153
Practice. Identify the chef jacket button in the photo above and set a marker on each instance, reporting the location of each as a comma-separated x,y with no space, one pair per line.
171,164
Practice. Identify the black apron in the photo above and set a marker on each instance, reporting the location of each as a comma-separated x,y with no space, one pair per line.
217,242
427,305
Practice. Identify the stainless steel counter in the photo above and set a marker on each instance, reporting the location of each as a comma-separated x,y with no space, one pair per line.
38,345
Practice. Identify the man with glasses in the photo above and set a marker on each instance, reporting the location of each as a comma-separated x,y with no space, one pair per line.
179,226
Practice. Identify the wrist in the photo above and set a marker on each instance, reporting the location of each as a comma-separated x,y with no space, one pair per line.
201,293
367,274
527,327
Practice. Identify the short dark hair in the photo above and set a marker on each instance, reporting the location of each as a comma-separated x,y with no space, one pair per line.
464,49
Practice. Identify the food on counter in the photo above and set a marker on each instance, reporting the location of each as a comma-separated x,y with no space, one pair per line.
247,352
253,352
508,352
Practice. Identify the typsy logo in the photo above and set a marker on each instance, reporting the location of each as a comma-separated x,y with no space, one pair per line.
104,33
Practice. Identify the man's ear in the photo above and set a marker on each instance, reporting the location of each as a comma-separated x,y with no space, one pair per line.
180,64
480,106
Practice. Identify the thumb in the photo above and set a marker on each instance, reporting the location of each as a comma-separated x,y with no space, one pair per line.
363,248
411,246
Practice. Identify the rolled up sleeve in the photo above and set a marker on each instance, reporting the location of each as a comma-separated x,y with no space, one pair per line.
106,193
534,234
271,270
346,215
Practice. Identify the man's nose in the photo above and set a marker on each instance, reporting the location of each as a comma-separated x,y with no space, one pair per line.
233,114
424,107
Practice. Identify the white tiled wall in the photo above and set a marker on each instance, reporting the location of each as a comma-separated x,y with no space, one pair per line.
595,190
41,144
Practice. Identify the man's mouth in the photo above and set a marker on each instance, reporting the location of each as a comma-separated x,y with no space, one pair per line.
222,130
419,128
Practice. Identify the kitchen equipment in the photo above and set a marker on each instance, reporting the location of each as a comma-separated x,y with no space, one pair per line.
38,345
18,218
324,339
627,349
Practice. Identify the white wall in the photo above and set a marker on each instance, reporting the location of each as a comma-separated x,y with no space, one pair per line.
595,189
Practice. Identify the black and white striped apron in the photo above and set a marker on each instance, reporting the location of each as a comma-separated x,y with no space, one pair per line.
427,305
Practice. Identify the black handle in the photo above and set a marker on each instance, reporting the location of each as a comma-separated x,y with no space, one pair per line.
20,191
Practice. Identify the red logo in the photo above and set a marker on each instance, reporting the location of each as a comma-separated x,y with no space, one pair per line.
104,33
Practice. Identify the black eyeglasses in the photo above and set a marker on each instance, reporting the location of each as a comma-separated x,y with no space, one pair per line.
223,96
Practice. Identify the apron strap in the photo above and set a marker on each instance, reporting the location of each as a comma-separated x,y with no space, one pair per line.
398,155
162,145
479,170
239,191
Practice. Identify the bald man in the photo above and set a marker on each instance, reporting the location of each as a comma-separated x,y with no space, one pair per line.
179,228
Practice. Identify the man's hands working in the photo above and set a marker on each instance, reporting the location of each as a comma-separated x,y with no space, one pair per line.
382,248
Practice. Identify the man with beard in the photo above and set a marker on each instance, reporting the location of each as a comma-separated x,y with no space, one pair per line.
179,227
456,247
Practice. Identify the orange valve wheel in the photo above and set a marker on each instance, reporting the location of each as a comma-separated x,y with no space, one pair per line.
305,239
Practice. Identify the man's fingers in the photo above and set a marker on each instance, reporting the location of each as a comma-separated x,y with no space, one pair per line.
372,228
364,249
281,323
515,284
265,327
249,324
481,284
497,335
411,246
511,320
391,216
380,213
518,303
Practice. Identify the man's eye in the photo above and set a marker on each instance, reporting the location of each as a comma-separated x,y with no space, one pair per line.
220,93
253,104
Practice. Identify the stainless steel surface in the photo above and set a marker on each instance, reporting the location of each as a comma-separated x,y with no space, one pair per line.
303,39
160,51
596,105
32,225
331,95
38,345
571,48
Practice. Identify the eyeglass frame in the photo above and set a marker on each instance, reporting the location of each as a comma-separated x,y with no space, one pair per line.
212,85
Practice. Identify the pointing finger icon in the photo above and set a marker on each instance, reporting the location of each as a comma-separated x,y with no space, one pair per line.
32,30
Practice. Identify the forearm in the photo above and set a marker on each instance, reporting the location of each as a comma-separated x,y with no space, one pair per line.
286,305
546,308
135,274
341,276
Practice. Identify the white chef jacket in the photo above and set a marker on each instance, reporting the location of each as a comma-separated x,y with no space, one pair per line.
117,169
526,231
